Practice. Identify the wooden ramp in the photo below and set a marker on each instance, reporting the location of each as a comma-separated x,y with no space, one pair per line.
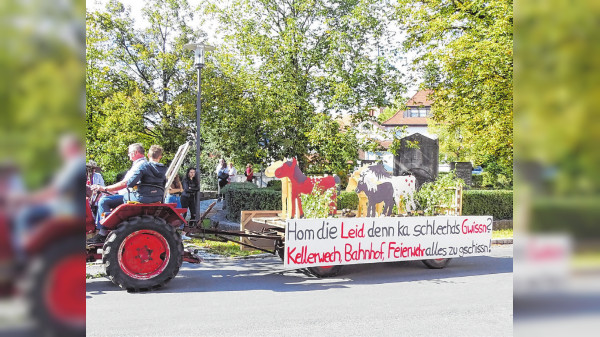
256,221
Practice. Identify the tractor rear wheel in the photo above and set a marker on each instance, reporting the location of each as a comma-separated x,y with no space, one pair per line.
54,289
143,253
326,271
436,263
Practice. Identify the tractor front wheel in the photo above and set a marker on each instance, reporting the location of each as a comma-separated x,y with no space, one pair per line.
143,253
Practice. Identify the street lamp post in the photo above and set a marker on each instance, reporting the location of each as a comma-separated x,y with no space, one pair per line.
199,51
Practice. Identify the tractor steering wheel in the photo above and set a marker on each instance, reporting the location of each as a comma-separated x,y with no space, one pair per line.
96,195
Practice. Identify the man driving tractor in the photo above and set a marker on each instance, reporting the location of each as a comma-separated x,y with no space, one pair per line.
143,183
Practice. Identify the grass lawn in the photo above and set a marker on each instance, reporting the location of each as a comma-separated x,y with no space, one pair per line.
586,260
228,249
502,234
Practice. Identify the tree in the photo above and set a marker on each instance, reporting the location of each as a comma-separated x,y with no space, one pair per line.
470,42
42,81
138,85
331,148
387,113
284,65
310,57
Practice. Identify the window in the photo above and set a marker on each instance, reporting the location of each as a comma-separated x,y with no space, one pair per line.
419,112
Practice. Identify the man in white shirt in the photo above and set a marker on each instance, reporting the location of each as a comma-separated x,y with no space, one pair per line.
232,172
108,202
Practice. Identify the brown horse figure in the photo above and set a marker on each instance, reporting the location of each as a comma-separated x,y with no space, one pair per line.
376,193
303,184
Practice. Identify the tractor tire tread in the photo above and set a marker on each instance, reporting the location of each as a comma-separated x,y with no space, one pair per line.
117,276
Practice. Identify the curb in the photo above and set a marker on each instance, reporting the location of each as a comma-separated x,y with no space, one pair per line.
508,241
254,257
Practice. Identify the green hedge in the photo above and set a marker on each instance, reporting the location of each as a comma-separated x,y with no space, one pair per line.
476,181
577,216
347,200
243,197
238,186
497,203
246,196
274,185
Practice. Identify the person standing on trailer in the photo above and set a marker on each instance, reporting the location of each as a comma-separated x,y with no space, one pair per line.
191,186
175,190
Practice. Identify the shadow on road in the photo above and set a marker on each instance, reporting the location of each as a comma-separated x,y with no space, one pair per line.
268,274
548,306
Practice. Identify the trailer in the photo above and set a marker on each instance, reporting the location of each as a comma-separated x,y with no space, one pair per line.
324,245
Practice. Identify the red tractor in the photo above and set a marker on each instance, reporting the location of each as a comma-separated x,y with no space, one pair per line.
143,250
51,282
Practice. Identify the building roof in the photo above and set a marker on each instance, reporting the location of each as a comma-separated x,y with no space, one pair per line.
385,144
399,119
421,98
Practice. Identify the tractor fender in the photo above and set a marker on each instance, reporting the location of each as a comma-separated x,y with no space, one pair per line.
90,225
169,212
51,231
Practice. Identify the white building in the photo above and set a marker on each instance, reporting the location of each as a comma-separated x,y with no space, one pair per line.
418,110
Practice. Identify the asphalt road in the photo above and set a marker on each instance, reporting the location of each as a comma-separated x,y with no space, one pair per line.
471,297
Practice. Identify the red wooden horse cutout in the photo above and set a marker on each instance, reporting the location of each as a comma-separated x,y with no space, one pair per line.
303,184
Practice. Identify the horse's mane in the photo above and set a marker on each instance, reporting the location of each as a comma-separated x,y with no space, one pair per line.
379,171
371,184
297,176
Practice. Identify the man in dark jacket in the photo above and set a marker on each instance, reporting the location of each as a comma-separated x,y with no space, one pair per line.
149,180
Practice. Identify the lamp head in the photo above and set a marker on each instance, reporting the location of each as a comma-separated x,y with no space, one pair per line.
199,51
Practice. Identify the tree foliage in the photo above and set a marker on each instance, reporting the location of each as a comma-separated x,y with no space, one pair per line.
331,148
557,104
310,57
465,52
138,85
284,69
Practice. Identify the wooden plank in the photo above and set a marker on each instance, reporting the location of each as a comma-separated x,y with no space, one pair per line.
247,223
272,221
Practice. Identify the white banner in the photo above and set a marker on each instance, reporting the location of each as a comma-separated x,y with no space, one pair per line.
339,241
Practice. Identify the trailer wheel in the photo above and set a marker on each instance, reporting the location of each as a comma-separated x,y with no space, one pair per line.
436,263
280,249
143,253
54,286
325,271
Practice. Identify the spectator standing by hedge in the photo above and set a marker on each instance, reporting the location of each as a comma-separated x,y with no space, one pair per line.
249,173
223,174
232,172
220,165
191,186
